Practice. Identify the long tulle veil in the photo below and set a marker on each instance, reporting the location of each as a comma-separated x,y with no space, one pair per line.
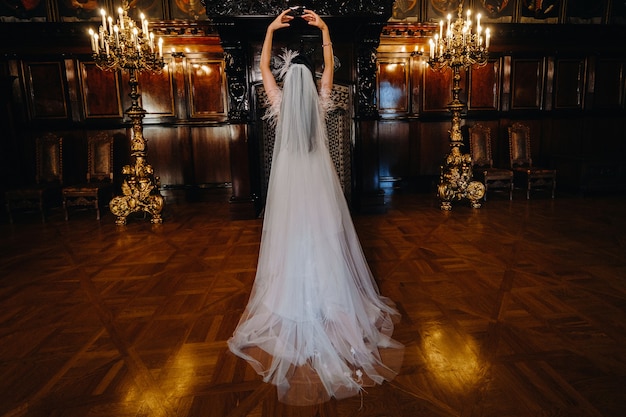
315,324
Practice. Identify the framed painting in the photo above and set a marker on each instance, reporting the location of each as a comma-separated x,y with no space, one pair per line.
187,9
543,11
406,10
495,11
23,11
152,9
581,11
80,10
437,10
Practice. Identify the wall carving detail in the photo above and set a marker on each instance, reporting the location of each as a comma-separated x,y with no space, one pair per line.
274,7
235,60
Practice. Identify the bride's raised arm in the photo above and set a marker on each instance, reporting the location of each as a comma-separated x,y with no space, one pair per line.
314,19
269,82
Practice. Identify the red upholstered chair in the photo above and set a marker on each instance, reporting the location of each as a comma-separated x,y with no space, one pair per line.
525,173
494,179
45,192
98,187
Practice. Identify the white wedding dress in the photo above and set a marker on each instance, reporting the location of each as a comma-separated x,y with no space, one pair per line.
315,324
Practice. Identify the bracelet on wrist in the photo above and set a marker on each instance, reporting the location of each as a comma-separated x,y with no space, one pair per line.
326,44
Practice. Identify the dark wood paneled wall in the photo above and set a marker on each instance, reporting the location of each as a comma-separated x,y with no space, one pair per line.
54,85
566,81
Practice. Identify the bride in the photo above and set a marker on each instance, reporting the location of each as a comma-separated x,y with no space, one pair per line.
315,324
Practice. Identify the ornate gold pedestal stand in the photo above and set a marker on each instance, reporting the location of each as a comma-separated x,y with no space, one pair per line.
140,188
455,181
461,45
125,46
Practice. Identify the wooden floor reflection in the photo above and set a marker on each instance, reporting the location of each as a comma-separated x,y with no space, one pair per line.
515,309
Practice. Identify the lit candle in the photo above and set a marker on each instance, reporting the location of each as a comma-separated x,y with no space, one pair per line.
469,12
104,19
116,30
95,38
91,32
478,19
152,42
120,11
487,37
107,48
448,28
135,37
110,19
160,47
91,38
441,28
432,48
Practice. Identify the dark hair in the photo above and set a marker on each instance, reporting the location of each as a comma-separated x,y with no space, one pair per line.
306,61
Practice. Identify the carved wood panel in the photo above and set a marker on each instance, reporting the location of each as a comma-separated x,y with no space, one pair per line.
393,86
206,87
527,83
393,150
609,84
100,92
157,92
434,145
569,83
45,83
437,90
211,155
484,86
165,152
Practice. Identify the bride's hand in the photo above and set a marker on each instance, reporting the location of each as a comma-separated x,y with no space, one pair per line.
313,19
281,21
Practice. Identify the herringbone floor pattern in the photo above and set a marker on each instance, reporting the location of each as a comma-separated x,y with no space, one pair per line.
515,309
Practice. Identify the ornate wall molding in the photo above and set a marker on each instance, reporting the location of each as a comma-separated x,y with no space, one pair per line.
238,106
355,25
273,7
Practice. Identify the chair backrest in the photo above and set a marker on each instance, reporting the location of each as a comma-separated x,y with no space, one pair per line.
480,145
100,157
519,145
49,159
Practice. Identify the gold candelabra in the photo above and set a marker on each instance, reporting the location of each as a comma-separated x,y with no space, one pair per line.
126,46
460,45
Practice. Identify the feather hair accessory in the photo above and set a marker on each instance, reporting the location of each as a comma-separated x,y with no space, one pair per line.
282,63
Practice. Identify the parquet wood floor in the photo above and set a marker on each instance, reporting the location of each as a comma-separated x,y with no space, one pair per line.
515,309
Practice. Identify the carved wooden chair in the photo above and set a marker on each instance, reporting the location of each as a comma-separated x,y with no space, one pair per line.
496,179
98,186
46,191
525,173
